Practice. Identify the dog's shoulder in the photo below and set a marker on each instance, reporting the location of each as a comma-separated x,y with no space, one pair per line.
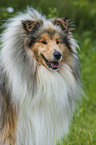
8,115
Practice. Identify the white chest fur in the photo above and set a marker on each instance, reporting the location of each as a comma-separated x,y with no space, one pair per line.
45,119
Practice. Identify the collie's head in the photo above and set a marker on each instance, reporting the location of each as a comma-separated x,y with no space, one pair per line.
50,41
32,44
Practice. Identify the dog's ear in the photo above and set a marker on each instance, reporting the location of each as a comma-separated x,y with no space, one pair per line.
65,24
32,25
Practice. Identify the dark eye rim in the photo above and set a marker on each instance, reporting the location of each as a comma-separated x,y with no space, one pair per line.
44,42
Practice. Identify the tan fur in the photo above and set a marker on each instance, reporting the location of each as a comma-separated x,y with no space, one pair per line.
9,121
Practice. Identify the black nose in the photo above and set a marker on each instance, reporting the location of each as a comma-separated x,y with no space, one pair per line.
57,55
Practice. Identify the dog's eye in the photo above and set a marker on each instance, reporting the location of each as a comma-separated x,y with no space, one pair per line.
57,41
44,42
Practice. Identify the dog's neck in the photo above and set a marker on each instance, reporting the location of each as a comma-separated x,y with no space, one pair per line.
50,109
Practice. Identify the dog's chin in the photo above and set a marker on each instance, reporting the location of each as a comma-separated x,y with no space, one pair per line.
51,65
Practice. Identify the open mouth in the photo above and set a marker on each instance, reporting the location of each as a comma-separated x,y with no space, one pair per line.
51,64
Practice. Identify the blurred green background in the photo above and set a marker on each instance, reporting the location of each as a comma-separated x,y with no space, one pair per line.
83,14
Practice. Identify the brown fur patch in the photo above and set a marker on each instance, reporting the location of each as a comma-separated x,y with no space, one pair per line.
8,121
30,25
64,23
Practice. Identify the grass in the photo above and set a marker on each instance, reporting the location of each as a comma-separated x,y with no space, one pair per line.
83,129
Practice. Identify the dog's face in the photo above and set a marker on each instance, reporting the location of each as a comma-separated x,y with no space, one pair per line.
49,50
48,47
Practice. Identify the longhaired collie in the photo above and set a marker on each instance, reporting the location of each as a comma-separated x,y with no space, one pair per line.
39,79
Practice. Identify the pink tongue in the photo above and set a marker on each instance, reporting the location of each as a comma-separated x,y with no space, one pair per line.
55,64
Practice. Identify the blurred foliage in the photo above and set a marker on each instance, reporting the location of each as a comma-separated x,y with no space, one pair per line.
82,12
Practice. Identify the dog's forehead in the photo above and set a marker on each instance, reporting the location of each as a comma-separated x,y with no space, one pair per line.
50,29
50,34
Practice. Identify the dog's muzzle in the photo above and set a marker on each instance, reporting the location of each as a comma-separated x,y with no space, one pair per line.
54,64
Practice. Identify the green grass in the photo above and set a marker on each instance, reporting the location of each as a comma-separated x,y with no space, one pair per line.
83,129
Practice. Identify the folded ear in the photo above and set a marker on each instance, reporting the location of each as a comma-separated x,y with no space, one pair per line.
32,25
65,24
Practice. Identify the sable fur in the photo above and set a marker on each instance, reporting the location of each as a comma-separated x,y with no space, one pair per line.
36,104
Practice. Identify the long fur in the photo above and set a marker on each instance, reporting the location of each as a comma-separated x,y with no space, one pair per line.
43,100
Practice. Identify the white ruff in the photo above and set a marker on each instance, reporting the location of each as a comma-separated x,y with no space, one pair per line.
46,118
